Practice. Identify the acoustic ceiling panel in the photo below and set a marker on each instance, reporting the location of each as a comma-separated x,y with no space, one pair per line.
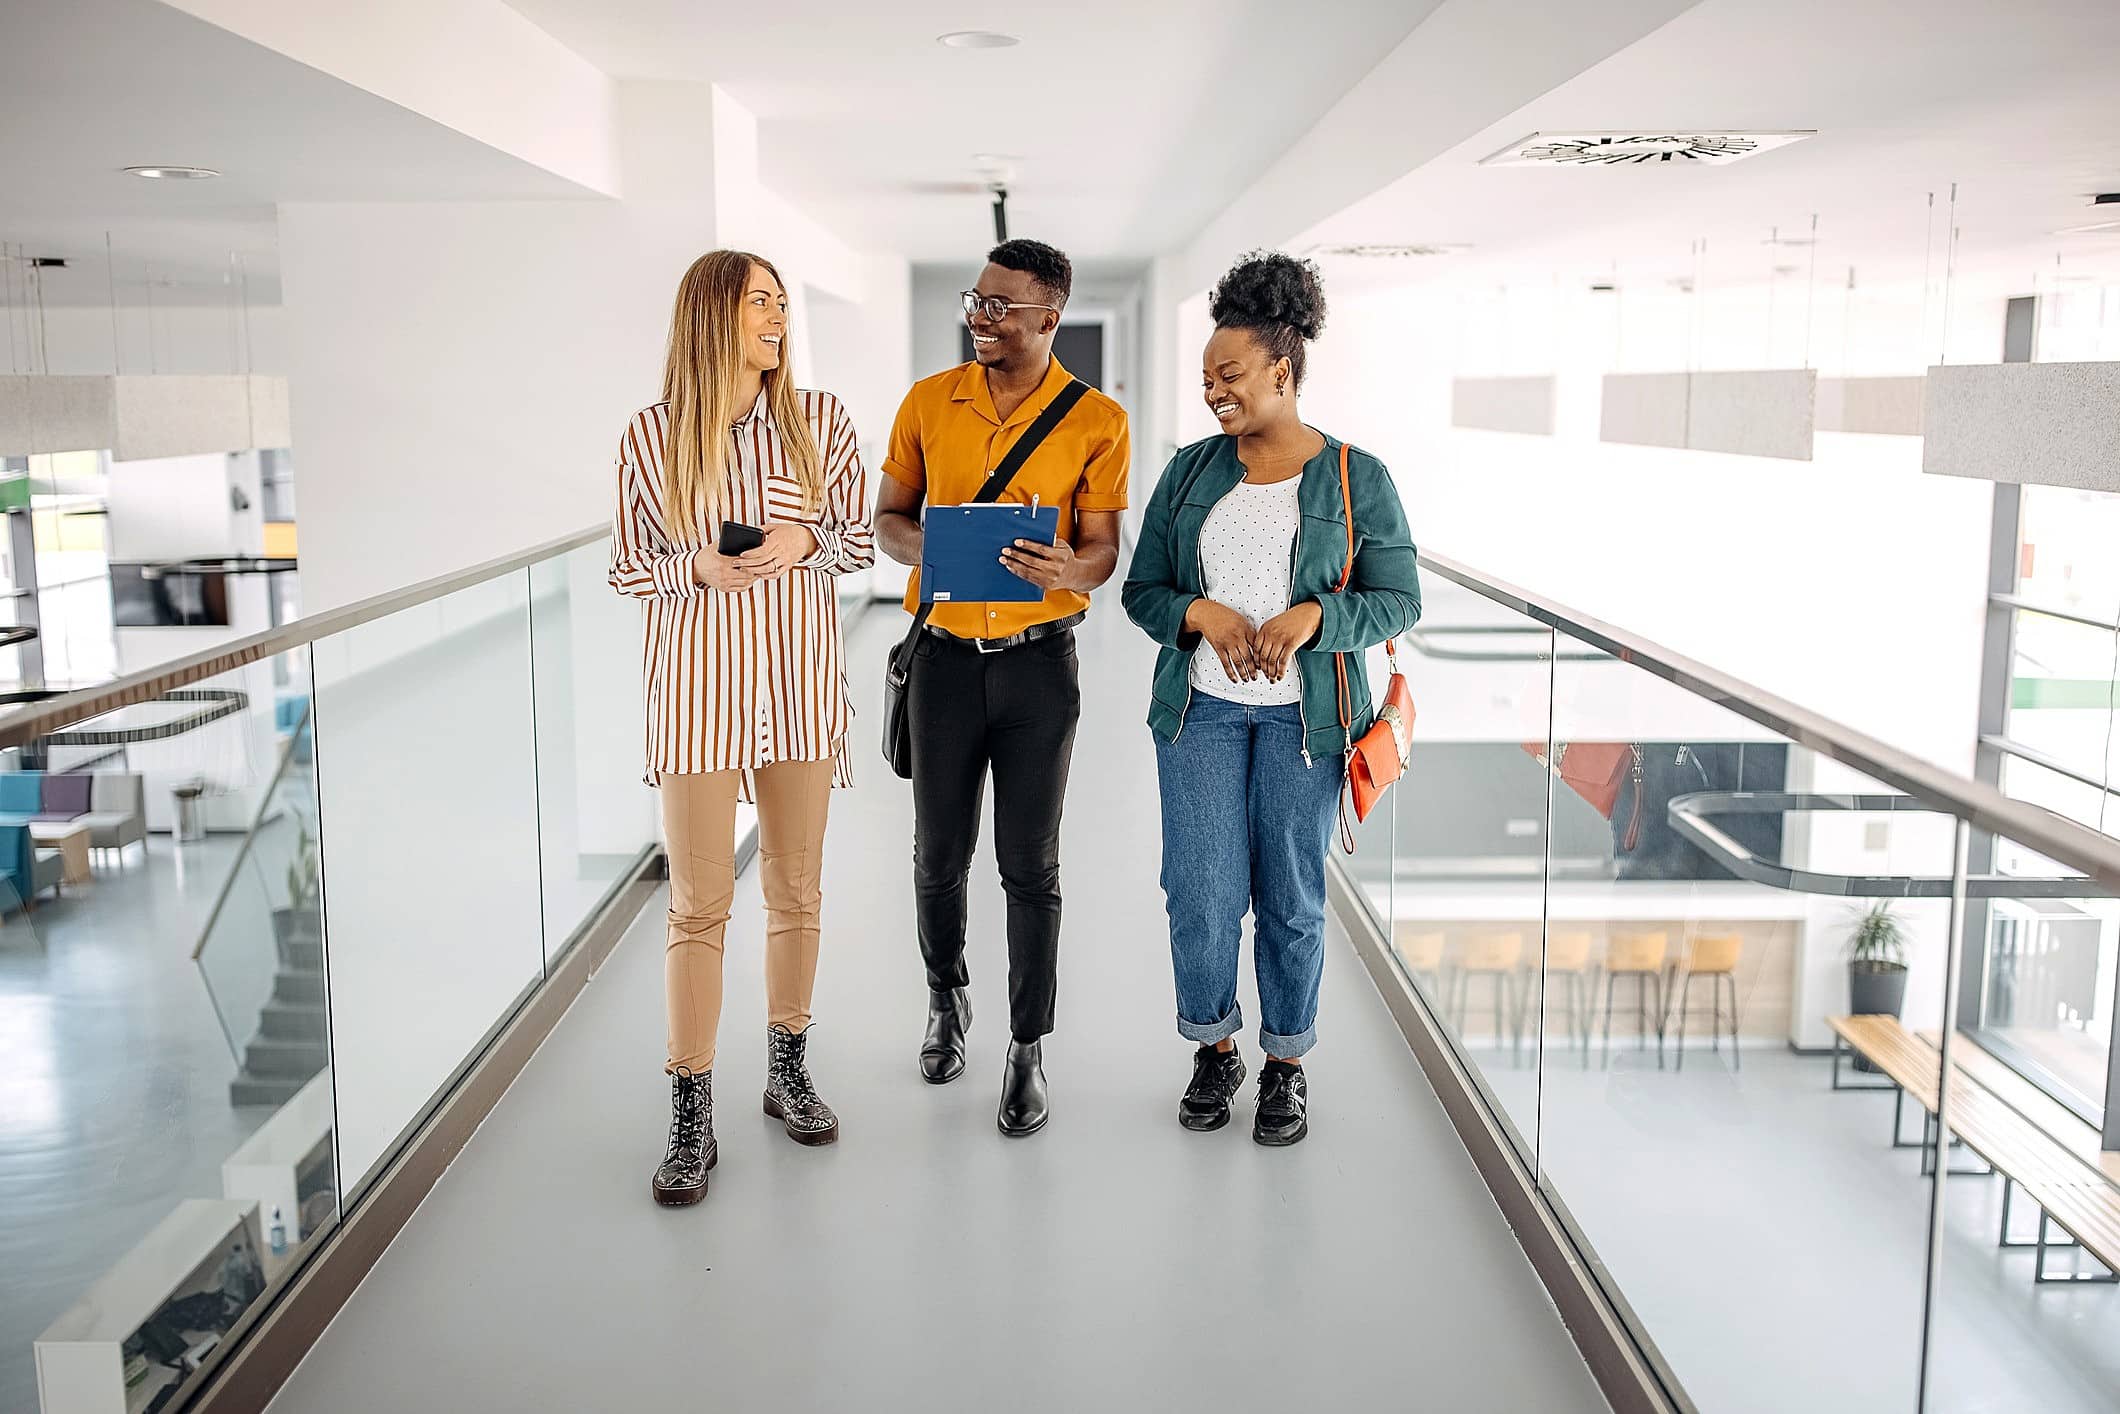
1644,409
270,425
1757,413
42,413
177,415
2040,424
1887,406
1503,404
134,416
1762,413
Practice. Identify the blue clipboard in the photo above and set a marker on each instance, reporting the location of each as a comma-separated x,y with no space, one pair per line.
960,555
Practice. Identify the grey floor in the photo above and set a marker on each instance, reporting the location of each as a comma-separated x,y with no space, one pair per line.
1112,1262
113,1081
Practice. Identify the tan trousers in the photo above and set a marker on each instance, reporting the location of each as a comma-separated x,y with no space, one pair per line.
699,829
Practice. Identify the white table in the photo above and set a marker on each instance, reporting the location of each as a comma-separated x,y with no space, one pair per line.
72,842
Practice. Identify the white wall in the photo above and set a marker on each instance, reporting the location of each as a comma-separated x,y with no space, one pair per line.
167,508
460,374
936,316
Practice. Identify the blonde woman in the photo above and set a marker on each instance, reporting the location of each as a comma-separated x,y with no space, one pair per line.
746,684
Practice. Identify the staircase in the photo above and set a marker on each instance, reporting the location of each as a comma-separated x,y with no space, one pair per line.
291,1042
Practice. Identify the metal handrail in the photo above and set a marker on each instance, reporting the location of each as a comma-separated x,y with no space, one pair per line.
1421,638
1688,816
2029,606
2018,749
2059,839
28,725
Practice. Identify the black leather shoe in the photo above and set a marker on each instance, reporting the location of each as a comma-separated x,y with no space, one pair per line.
1284,1105
682,1178
942,1050
1023,1107
1215,1079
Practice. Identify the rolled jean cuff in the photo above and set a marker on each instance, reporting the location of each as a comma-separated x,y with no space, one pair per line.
1209,1032
1287,1047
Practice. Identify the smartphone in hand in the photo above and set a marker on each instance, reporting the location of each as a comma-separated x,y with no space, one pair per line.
738,538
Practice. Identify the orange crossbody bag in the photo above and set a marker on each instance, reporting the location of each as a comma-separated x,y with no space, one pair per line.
1378,758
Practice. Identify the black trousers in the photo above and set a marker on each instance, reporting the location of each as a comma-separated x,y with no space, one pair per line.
1013,713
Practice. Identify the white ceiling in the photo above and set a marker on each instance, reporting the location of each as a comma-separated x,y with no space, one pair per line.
89,87
2016,103
1132,123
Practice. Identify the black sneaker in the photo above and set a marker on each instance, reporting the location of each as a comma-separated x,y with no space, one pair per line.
1215,1078
1284,1104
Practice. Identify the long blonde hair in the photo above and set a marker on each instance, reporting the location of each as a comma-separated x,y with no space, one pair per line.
699,382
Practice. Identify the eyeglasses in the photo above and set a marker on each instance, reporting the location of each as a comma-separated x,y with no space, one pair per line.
994,307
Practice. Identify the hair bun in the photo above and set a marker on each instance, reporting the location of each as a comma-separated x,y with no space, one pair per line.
1269,287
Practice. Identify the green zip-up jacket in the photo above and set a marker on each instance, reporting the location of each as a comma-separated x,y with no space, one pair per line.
1382,599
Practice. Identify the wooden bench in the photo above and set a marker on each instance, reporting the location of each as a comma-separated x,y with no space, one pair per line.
1907,1063
2071,1195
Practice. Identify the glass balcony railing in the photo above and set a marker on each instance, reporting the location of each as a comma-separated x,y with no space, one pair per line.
1626,892
259,910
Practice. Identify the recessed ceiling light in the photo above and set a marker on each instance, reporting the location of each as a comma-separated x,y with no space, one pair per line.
175,174
1660,146
977,39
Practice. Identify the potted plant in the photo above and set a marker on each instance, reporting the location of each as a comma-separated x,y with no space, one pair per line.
1877,964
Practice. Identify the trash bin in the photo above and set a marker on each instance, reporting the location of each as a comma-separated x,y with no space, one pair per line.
191,821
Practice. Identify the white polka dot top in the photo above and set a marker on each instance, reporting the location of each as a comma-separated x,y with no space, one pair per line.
1247,550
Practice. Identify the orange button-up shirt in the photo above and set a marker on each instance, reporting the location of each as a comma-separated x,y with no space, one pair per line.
948,437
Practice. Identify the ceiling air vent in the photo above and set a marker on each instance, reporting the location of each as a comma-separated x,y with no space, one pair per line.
1376,251
1632,149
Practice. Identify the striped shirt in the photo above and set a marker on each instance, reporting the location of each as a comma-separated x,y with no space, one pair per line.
738,681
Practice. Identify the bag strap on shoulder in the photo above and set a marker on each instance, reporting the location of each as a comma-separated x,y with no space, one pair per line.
998,480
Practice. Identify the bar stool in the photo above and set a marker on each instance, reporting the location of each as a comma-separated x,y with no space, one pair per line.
1568,956
1498,956
1641,957
1714,958
1422,956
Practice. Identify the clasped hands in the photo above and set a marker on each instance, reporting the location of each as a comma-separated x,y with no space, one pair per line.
786,545
1248,653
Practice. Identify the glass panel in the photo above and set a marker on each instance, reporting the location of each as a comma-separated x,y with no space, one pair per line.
595,814
2030,1065
2062,686
166,1131
2046,979
1465,887
1700,1145
2064,795
2065,550
426,771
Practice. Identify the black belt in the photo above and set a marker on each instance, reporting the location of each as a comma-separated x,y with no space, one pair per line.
1014,640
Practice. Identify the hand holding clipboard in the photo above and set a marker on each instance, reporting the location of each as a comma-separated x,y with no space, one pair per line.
1041,563
990,553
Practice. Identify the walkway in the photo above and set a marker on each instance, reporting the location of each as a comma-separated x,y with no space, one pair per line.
1113,1262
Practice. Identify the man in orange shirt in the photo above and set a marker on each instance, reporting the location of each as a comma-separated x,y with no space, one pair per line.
994,686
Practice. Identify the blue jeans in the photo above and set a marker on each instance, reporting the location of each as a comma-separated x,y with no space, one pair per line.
1246,824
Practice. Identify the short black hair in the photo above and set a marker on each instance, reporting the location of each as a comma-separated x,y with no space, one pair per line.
1278,298
1049,267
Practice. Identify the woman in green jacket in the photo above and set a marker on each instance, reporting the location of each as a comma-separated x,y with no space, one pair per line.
1237,575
